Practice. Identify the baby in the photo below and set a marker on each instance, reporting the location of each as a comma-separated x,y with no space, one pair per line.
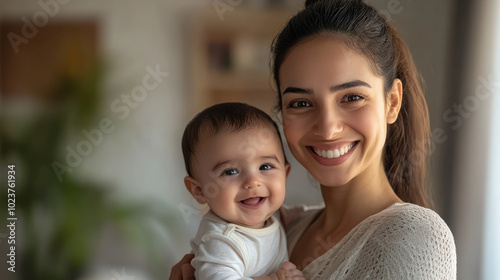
236,164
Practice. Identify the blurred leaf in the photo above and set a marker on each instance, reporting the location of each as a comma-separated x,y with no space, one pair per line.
62,221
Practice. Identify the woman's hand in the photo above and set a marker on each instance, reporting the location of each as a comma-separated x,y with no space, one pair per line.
183,270
286,271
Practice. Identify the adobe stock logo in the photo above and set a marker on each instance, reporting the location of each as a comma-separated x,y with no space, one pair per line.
50,8
222,7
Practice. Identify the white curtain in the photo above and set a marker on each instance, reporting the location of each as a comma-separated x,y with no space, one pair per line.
491,256
476,166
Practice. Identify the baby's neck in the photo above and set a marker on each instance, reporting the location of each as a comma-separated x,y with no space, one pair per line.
264,224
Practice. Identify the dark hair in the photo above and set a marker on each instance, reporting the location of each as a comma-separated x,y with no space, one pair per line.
227,117
365,31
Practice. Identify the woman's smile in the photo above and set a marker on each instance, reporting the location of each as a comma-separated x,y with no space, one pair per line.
332,152
332,156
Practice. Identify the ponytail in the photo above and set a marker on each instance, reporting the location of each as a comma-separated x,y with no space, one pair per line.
408,138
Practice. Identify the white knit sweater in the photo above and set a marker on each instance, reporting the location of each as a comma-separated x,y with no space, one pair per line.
404,241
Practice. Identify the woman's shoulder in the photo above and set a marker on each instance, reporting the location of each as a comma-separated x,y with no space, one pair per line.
410,241
411,218
414,228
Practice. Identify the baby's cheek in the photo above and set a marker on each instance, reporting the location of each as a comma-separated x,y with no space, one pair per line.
279,192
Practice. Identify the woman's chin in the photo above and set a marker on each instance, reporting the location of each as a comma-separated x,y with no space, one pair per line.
332,181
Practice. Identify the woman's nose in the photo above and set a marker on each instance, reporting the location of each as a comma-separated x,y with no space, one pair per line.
328,122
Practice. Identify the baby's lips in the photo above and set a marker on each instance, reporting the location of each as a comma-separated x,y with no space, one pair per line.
251,201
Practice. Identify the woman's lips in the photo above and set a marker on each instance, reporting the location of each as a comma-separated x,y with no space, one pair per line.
334,156
334,153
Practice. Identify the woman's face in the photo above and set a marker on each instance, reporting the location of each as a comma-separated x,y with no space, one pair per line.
335,114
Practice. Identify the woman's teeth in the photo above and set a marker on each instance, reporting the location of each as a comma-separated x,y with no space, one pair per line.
334,153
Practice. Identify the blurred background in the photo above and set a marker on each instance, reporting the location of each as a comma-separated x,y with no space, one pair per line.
95,96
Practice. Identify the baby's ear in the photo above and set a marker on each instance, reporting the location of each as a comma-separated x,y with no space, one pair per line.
194,189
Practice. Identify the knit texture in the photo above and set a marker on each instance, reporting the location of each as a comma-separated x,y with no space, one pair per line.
404,241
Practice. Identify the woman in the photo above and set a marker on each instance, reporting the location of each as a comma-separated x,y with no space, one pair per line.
354,115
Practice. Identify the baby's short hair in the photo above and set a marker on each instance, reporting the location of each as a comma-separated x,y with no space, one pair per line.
223,117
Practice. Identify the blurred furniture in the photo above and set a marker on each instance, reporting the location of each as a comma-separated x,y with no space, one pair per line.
230,56
33,65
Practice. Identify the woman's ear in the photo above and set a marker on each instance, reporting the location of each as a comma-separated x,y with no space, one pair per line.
288,167
194,189
394,99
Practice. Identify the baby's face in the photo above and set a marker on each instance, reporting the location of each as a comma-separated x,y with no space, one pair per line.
242,175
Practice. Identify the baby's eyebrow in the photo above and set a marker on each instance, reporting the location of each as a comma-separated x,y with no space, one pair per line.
270,157
219,164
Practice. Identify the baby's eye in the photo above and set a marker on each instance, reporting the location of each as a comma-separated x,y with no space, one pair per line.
299,104
265,167
352,98
229,172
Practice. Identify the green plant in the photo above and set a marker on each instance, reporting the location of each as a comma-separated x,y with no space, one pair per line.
60,221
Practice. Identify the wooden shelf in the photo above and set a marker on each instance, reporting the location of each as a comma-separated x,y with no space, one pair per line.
230,58
232,81
261,23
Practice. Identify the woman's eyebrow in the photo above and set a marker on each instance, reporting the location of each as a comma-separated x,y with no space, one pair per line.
351,84
296,90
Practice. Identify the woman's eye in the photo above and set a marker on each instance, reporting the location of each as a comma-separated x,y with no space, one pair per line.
229,172
352,98
265,167
298,104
